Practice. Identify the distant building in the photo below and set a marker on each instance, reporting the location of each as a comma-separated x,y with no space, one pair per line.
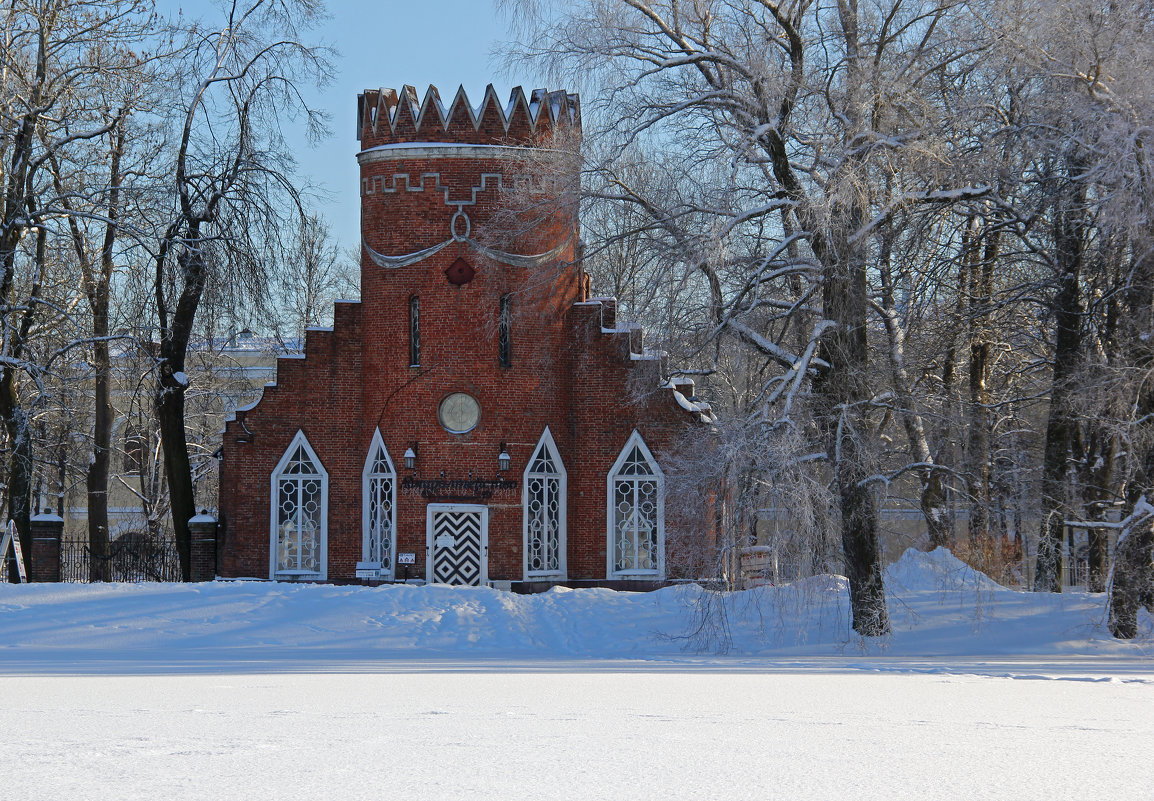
222,376
477,417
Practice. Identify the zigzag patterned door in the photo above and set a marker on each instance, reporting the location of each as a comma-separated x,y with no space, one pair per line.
457,543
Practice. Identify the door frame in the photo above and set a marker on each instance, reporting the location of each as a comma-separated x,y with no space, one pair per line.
434,508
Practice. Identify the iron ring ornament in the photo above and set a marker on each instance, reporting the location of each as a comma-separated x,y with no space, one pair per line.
460,215
459,413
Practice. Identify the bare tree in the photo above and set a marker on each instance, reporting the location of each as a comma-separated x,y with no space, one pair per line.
312,273
770,123
231,192
102,186
1074,69
56,56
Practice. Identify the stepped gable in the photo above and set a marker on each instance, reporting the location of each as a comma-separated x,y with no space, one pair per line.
388,117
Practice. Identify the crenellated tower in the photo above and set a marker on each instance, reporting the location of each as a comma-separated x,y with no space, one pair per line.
476,411
465,284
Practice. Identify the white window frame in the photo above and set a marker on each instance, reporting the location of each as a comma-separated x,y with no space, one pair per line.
546,441
635,439
366,478
274,574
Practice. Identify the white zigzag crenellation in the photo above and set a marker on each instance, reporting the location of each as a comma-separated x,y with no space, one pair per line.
385,104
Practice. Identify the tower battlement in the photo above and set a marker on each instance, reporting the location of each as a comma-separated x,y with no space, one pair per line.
385,117
474,406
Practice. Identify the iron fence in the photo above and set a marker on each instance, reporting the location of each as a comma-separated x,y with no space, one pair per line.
130,558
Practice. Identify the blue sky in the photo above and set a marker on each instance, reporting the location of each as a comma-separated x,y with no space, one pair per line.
441,42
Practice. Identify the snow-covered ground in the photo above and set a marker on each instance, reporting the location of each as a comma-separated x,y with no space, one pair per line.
257,690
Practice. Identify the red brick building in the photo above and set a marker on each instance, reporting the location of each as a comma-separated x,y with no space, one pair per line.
476,412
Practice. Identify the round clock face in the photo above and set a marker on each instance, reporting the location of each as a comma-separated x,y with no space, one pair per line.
459,413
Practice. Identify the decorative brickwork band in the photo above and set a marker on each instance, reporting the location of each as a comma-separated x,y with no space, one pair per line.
47,529
203,529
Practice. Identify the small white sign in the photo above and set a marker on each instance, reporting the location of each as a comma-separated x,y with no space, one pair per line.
368,570
445,541
406,559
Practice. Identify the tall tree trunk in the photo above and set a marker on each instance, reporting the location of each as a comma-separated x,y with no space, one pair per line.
61,474
100,568
18,211
17,424
1097,495
978,436
933,492
842,390
177,470
171,383
1133,584
944,436
1069,229
97,287
1133,574
96,483
841,394
1100,490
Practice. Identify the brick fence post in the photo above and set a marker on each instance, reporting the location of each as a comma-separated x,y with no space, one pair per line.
202,529
44,561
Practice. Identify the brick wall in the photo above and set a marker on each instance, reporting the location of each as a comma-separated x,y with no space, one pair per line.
567,373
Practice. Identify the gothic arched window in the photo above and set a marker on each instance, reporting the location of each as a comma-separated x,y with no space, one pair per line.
379,508
544,501
636,514
300,497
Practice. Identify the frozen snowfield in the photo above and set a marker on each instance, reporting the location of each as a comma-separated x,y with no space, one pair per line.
257,690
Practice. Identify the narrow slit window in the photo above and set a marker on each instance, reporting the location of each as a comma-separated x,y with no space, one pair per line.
414,331
504,333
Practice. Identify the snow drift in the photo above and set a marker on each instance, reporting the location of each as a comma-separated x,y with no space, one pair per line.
938,605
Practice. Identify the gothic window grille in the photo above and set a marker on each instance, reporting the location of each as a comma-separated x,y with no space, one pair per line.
636,514
544,502
414,331
379,491
299,514
504,332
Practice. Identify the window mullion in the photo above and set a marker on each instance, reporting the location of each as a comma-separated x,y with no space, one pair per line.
636,523
301,481
298,522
